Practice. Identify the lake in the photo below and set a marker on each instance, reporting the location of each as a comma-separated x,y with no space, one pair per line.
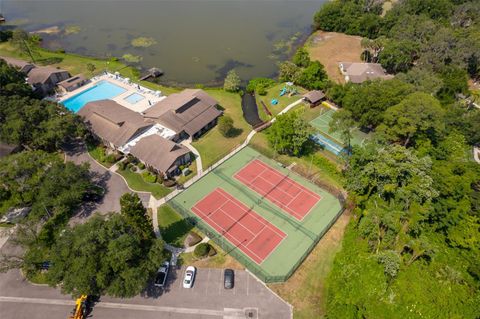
193,41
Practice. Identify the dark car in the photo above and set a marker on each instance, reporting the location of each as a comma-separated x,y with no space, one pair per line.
228,278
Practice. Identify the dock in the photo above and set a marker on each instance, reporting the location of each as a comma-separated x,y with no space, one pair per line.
152,73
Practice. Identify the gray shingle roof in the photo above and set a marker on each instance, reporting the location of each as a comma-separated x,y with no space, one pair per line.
158,152
189,111
22,65
314,96
113,122
361,72
42,74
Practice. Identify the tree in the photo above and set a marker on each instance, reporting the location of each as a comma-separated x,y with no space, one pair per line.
398,56
232,82
418,115
91,67
342,122
301,58
24,43
260,85
290,134
422,79
368,102
313,77
225,125
289,72
12,81
116,255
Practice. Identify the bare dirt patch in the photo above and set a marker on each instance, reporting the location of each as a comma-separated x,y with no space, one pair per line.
330,48
305,290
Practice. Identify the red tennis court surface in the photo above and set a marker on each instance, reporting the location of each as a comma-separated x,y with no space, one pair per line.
243,227
281,190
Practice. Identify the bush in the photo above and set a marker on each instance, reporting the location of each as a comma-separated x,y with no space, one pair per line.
141,165
225,125
133,168
110,158
160,178
122,165
169,183
301,58
260,85
202,250
149,178
192,239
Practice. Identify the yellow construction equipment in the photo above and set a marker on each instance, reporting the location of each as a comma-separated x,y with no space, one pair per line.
80,310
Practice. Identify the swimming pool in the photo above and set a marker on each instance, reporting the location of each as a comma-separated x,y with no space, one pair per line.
134,98
100,91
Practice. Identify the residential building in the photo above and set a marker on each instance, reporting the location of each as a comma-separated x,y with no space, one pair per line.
44,79
114,124
72,83
160,154
361,72
189,113
22,66
314,98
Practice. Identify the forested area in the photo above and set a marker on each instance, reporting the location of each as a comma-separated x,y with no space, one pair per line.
412,249
115,255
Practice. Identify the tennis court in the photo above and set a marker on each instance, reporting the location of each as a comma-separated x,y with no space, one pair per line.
322,124
251,225
243,227
295,199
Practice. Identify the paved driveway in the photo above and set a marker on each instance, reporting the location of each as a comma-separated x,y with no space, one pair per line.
114,185
207,299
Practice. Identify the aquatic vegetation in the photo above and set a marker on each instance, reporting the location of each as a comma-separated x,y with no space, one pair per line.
72,29
132,58
143,42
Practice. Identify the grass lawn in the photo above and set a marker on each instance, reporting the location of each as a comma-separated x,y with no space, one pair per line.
306,290
193,167
330,48
136,182
38,278
213,145
283,101
321,165
71,62
173,227
98,153
220,260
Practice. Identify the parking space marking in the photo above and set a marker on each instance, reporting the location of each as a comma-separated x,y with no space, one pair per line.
247,283
208,280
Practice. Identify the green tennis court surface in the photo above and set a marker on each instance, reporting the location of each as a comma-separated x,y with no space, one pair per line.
301,235
322,124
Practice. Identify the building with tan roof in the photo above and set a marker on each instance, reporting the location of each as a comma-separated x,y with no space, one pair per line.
163,155
21,65
44,79
360,72
189,113
114,124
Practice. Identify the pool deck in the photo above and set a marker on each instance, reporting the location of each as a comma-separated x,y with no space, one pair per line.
151,97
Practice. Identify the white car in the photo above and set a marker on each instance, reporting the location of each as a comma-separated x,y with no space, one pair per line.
189,277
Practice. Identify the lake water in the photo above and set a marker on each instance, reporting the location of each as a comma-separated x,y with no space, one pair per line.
193,41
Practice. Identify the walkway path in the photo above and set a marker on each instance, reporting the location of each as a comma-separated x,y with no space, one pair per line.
476,154
198,158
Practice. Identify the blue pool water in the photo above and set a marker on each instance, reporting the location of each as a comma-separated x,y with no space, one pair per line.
328,144
134,98
100,91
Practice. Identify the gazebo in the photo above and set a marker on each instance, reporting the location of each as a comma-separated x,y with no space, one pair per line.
314,97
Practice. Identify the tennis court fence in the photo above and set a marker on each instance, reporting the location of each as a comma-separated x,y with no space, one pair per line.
233,250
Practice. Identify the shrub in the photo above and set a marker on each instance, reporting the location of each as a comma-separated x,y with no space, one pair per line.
133,168
118,157
201,250
193,239
225,125
260,85
301,58
149,178
110,158
141,165
160,178
169,183
181,167
122,165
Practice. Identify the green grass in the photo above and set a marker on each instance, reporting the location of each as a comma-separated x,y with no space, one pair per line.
182,179
213,145
71,62
136,182
6,225
300,234
283,101
173,227
39,277
98,153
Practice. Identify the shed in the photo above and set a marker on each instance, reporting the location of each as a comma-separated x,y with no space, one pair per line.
314,97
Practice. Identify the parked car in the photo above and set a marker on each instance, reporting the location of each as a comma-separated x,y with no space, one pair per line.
228,279
162,274
189,277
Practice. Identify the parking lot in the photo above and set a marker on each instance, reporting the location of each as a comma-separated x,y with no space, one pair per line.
207,299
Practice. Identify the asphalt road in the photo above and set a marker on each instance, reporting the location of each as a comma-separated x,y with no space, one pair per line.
207,299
